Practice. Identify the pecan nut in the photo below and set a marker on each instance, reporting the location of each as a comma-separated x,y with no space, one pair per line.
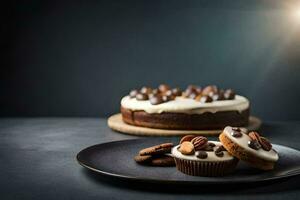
199,142
186,138
265,144
254,136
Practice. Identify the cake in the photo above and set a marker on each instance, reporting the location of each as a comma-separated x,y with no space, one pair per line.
196,108
200,157
250,147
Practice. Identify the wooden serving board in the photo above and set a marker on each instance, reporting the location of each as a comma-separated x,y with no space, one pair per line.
116,123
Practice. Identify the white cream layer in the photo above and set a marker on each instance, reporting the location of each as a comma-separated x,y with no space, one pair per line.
211,156
186,105
243,142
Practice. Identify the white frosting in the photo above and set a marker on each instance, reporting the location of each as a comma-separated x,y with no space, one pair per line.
211,156
243,142
186,105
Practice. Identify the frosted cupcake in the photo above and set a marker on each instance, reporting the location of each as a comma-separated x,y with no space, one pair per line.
197,156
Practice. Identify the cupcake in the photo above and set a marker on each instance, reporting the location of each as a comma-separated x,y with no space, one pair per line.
197,156
250,147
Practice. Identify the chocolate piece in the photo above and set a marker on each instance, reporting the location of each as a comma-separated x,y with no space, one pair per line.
141,97
209,89
187,148
201,154
199,142
253,144
176,92
133,93
265,144
236,134
206,99
163,88
186,138
219,153
229,94
156,99
146,90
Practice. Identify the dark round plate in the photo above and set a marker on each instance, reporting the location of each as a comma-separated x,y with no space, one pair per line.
116,159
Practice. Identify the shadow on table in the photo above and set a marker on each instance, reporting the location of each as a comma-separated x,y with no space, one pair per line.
275,186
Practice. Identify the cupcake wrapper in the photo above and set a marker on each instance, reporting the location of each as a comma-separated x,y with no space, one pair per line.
203,168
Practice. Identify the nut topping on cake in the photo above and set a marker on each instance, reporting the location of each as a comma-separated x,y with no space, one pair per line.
186,148
156,99
186,138
199,142
262,141
133,93
265,144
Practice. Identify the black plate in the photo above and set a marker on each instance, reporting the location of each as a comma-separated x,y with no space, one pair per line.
116,159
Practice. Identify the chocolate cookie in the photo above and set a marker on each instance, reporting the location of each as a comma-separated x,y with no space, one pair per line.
157,149
163,161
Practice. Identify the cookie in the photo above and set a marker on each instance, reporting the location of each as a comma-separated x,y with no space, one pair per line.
143,159
253,149
157,149
163,161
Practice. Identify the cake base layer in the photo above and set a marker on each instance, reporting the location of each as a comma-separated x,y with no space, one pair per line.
182,121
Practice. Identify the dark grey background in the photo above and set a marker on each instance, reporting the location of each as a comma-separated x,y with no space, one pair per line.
78,58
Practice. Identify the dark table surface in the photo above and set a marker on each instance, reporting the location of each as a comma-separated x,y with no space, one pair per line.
37,161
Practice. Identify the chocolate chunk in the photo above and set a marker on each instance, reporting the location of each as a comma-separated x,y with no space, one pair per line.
163,88
206,99
156,99
142,97
146,90
253,144
229,94
133,93
236,134
176,92
219,153
201,154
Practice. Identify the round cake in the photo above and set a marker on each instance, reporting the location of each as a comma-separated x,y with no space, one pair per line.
194,109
